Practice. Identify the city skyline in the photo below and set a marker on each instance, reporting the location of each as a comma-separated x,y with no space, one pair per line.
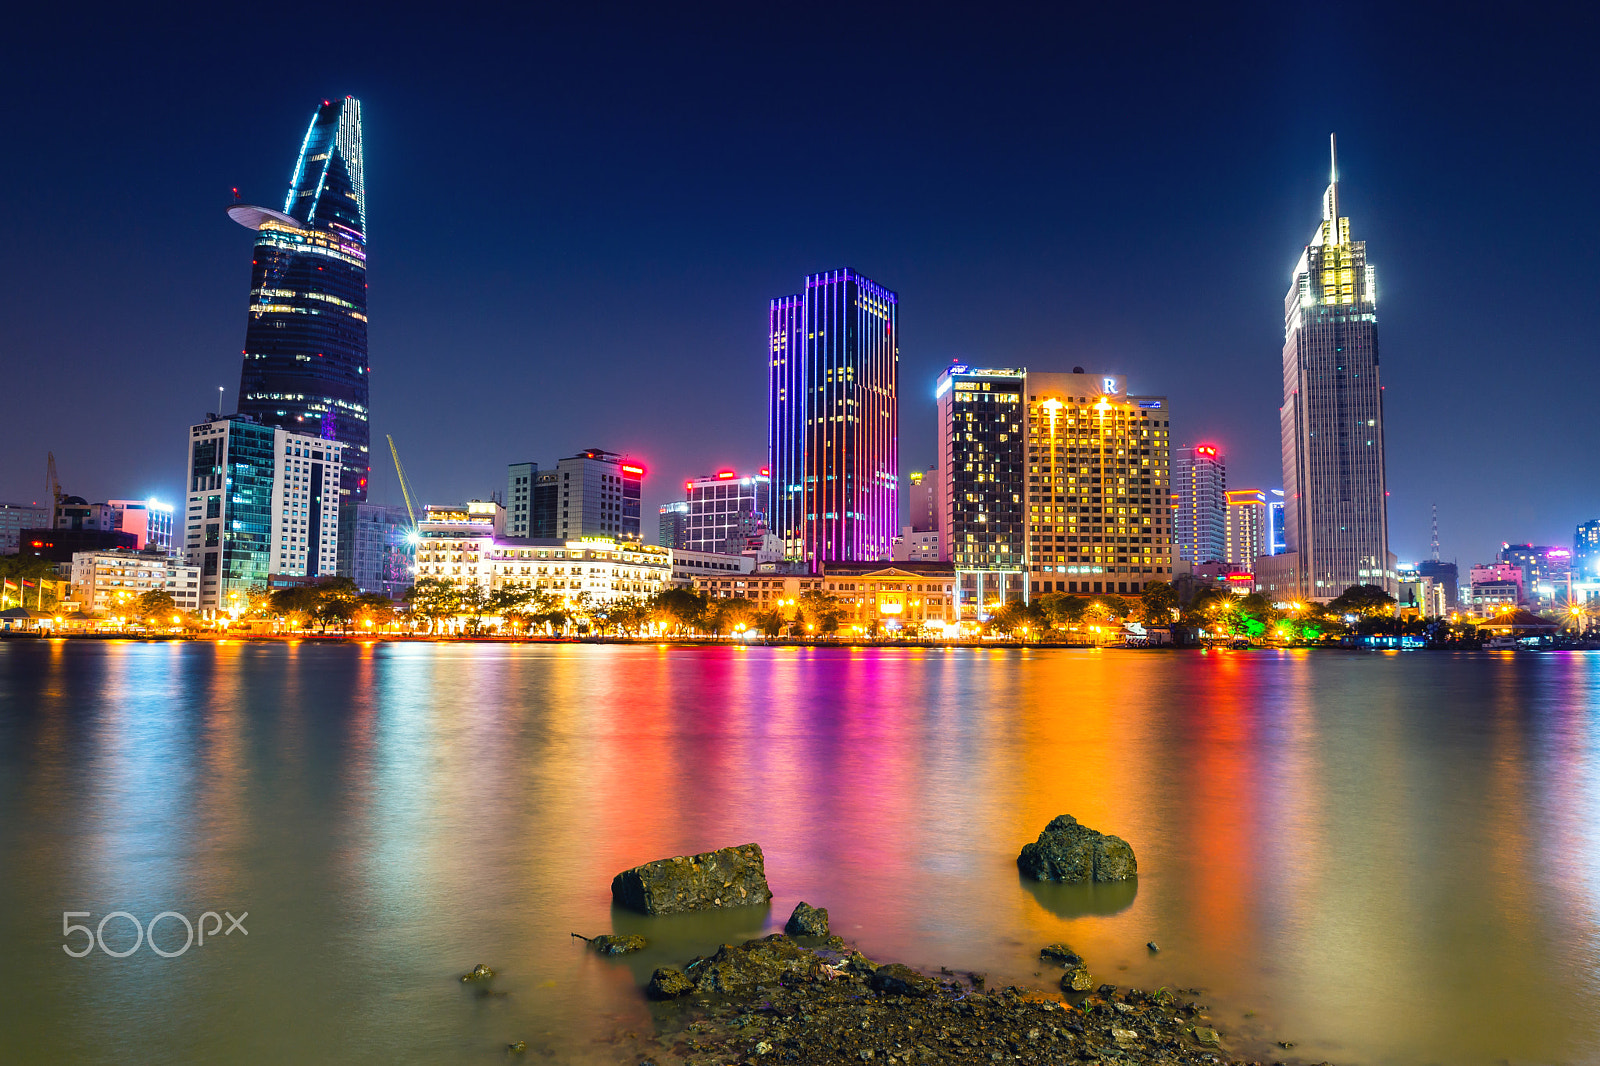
1051,287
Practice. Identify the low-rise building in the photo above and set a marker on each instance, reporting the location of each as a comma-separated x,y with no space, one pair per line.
916,545
14,518
870,596
111,582
1490,598
688,565
465,546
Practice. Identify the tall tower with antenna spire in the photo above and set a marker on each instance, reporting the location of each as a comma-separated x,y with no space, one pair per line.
1335,489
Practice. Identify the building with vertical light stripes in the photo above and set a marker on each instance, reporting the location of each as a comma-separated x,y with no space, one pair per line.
833,419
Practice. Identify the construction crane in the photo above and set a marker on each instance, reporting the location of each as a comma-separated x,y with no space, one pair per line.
405,486
52,485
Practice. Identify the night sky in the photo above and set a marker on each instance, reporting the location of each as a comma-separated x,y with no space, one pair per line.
576,222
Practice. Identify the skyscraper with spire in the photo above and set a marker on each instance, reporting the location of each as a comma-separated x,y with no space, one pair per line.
1335,492
305,348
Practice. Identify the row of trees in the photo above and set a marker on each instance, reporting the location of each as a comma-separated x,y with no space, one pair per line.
437,607
1213,609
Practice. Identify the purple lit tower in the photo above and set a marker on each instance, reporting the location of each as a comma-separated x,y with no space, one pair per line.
833,419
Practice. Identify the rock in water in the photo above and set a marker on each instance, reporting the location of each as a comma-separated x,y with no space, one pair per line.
731,877
618,945
1060,953
669,981
771,960
1067,851
807,921
1076,979
479,972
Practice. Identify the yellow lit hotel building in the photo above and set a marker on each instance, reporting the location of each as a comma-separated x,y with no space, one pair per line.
464,545
1099,513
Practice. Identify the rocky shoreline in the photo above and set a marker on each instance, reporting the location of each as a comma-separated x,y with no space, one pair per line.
813,1000
803,996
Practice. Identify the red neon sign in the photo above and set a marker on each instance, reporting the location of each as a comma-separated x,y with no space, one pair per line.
765,472
637,471
726,474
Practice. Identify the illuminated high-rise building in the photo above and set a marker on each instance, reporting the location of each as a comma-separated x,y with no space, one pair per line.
305,348
1099,481
1051,482
833,419
728,512
1249,527
983,456
1336,513
1200,500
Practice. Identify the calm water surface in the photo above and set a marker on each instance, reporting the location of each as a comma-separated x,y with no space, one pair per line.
1383,858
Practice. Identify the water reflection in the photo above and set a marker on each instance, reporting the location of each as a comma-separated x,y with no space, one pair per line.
1361,851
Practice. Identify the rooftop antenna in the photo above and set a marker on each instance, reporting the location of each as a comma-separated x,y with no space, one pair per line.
1435,532
219,400
1332,205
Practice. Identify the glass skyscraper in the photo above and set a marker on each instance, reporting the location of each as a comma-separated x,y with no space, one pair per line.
305,349
833,419
1335,494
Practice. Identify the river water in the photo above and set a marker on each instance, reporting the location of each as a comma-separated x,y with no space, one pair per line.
1381,858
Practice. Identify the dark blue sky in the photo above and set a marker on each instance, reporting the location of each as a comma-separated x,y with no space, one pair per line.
576,222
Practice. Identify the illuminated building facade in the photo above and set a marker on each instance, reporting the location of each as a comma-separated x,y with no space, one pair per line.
1199,496
150,521
926,500
1545,568
907,597
673,526
260,500
1277,535
305,350
521,479
1248,528
1585,550
111,582
466,545
983,456
375,549
833,419
728,513
1099,477
14,518
1331,420
594,493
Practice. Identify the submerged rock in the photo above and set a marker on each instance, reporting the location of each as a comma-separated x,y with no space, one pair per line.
610,944
1060,953
517,1048
1067,851
807,921
770,960
479,972
1205,1036
1077,979
898,980
730,877
669,981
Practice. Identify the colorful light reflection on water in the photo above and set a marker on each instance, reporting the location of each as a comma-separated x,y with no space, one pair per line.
1382,858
